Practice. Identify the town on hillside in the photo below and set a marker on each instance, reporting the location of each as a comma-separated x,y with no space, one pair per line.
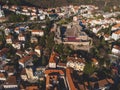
63,48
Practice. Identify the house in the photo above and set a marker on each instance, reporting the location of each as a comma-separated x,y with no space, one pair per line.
7,31
21,37
5,6
52,60
33,17
20,53
116,35
104,84
94,62
115,27
17,30
18,45
26,61
1,13
96,29
33,9
107,37
9,39
116,49
23,75
30,74
33,39
9,69
25,9
38,50
37,33
3,53
2,76
32,87
76,63
11,83
27,74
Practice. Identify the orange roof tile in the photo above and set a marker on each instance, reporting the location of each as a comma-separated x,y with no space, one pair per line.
94,60
117,32
37,30
117,25
52,58
71,84
32,88
25,59
38,47
2,75
11,81
54,70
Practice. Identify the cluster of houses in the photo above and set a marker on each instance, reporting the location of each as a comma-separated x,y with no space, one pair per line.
52,13
56,75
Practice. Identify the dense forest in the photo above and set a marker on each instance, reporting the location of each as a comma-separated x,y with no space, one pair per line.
54,3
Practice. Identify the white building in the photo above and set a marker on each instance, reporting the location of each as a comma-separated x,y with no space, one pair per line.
116,49
9,39
38,50
76,63
37,33
116,35
52,61
21,37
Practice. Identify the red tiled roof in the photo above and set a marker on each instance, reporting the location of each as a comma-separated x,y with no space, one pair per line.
25,59
32,88
68,75
11,80
37,31
117,32
54,70
52,58
116,47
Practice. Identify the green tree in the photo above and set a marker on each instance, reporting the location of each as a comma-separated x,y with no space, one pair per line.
44,61
89,69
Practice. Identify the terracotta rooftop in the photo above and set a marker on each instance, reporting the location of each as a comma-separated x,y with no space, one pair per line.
38,47
25,59
52,58
117,25
8,37
117,32
2,75
54,71
116,47
70,81
32,88
11,80
94,60
37,31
